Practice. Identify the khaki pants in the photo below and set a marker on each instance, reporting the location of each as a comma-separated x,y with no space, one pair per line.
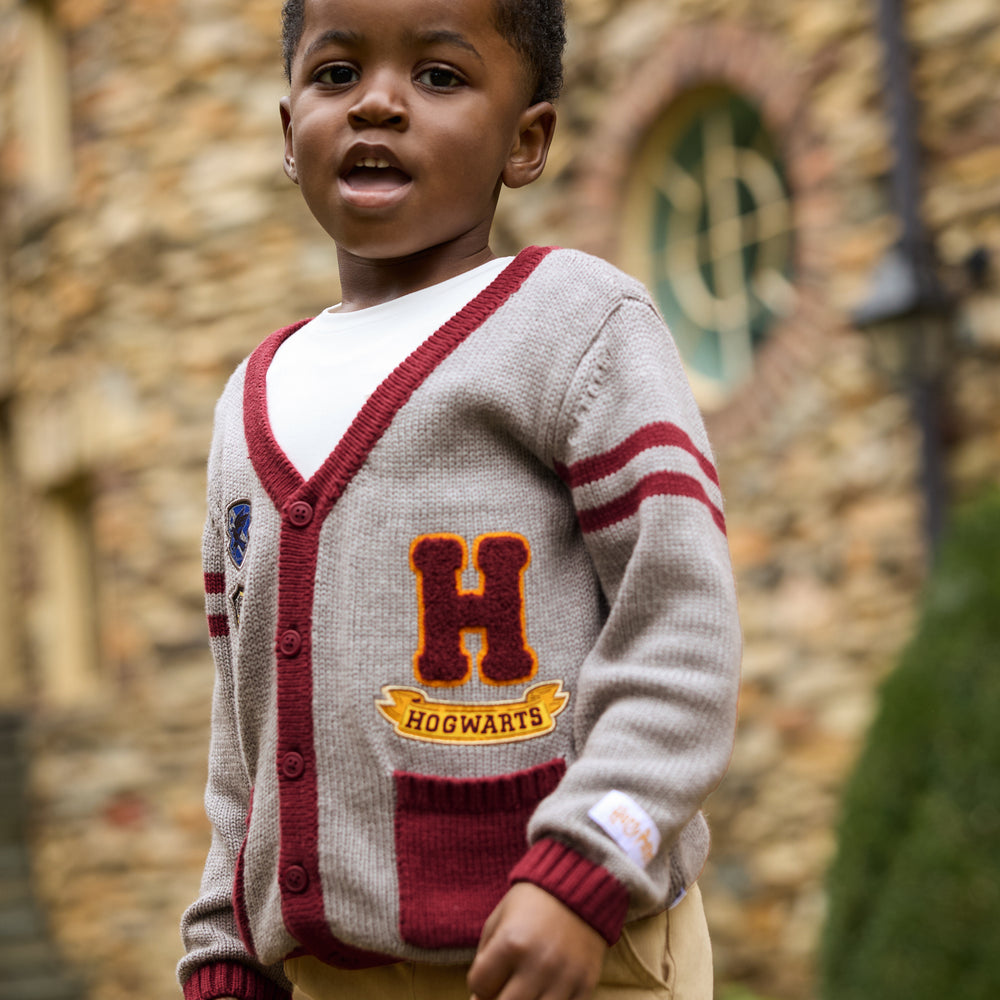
666,957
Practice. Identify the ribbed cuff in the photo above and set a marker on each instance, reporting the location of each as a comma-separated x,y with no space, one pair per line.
589,890
230,979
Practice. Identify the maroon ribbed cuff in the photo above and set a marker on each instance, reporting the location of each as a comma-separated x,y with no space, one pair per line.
589,890
230,979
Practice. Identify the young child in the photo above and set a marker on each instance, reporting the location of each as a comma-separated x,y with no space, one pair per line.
467,579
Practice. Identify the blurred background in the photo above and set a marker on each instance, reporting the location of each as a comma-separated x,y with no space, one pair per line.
812,191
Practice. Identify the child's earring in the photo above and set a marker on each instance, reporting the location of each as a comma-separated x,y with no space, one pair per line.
531,148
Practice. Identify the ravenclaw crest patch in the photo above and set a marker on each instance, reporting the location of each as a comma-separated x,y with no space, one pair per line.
238,531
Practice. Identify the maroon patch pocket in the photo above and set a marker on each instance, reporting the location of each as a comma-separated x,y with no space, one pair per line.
239,893
457,840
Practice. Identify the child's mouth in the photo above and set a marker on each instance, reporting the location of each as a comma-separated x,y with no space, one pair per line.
375,174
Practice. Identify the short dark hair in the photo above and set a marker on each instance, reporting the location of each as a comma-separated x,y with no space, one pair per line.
535,29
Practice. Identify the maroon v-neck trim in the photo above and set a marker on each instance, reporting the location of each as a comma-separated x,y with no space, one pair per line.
281,479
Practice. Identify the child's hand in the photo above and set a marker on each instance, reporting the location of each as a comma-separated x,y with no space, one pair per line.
535,948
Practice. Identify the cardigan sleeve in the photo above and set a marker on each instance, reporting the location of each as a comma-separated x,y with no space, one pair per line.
622,835
218,963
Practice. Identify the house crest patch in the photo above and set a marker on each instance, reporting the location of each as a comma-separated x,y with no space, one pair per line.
238,531
446,613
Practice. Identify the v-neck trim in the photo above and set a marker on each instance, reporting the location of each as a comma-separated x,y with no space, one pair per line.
283,482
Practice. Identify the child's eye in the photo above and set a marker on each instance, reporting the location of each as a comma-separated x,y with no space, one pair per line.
337,75
440,78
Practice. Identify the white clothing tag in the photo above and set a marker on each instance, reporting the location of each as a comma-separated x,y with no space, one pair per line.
628,825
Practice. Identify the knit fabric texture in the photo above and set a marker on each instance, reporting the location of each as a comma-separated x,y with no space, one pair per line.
506,593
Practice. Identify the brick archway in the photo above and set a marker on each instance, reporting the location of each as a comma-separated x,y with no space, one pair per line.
758,67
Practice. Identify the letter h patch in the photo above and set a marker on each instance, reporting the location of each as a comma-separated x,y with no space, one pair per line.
495,609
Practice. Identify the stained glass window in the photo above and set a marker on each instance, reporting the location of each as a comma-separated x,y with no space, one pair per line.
709,228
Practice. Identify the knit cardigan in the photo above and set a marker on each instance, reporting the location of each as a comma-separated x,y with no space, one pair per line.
493,639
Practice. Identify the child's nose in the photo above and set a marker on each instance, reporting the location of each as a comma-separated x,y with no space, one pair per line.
379,104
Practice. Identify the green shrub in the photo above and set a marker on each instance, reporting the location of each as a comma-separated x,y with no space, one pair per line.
735,991
915,888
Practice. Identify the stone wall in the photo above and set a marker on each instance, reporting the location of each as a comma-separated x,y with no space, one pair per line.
132,292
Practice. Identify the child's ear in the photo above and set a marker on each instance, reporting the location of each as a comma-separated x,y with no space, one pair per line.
285,106
531,146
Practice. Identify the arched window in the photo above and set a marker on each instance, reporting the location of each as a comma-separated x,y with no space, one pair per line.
708,226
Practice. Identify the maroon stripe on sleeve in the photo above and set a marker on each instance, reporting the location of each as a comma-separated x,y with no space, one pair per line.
674,484
662,434
215,583
218,625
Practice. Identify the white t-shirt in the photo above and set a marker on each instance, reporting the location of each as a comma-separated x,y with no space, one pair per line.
323,373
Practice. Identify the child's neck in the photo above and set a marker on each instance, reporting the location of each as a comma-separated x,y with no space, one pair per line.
366,282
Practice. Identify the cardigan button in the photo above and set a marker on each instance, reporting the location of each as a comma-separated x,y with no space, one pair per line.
293,765
300,513
290,642
295,879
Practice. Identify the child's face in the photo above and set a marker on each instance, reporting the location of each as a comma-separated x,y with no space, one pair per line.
404,118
